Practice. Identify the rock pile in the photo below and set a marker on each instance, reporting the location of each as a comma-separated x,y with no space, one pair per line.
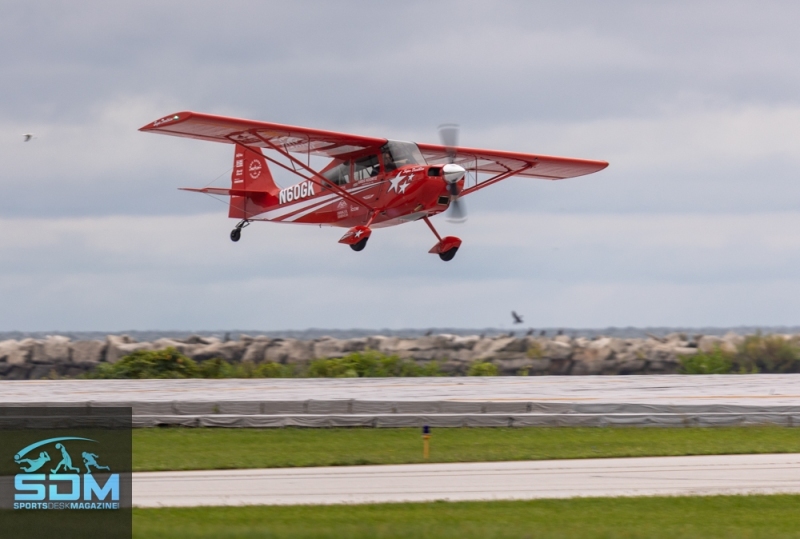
559,355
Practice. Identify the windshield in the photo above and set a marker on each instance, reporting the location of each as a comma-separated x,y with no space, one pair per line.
366,167
340,174
398,154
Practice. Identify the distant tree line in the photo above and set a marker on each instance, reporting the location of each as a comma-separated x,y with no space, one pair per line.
757,353
169,363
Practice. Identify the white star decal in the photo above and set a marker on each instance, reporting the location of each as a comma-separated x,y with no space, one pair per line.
357,234
402,187
395,181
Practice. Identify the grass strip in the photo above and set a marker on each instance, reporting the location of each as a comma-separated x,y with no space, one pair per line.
730,517
211,449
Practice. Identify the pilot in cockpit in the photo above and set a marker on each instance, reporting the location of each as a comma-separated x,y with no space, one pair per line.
388,162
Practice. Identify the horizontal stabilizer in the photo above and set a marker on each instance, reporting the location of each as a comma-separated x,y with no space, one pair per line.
224,192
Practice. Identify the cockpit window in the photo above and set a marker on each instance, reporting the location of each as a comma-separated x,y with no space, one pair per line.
394,154
340,174
365,167
397,154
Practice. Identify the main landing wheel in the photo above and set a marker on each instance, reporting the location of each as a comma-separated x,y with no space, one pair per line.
236,233
359,246
448,255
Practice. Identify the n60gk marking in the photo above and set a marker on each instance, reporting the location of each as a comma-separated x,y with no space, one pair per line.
296,192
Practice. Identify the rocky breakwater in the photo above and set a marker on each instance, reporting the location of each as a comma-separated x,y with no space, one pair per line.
58,356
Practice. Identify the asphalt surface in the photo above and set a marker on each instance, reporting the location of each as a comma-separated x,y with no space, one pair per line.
678,476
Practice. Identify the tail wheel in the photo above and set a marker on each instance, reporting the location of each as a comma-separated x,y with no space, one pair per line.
359,246
448,255
236,233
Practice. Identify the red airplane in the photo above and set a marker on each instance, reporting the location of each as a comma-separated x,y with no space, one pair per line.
369,183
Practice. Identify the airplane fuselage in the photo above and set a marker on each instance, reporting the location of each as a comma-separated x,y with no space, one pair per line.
402,195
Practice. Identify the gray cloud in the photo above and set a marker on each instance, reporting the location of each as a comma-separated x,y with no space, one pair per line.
562,269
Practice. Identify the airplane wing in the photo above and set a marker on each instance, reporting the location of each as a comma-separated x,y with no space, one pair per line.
505,164
289,138
334,145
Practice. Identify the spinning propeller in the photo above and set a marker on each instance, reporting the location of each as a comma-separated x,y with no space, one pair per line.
448,134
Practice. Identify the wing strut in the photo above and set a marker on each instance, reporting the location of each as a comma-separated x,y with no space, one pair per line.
317,178
494,179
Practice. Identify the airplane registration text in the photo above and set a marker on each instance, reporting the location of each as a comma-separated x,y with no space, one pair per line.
296,192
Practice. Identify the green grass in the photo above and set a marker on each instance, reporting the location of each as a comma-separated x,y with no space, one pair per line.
731,517
198,449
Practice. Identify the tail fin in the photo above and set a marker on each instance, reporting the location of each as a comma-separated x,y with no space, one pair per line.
252,186
250,171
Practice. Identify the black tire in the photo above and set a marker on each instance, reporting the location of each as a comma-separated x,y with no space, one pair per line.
448,255
360,245
236,233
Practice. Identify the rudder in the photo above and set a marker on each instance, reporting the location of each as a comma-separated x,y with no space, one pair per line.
251,174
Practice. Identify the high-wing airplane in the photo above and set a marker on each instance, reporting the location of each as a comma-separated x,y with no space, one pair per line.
369,183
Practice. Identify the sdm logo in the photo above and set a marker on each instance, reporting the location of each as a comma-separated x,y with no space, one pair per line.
66,486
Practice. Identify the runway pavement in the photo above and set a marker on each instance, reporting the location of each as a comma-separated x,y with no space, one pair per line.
697,475
496,401
664,390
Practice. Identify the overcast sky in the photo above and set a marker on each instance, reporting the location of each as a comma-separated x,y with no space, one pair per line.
696,105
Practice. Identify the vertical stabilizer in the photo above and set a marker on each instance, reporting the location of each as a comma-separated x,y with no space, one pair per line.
251,174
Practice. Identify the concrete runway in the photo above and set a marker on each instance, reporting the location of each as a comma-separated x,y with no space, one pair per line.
672,389
675,476
492,401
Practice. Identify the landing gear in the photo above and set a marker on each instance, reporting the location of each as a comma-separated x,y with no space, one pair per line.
357,237
447,246
359,245
236,233
448,255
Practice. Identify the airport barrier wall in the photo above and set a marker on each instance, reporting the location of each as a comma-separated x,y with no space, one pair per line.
320,414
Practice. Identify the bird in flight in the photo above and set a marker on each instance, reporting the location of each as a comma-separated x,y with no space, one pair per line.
517,318
27,137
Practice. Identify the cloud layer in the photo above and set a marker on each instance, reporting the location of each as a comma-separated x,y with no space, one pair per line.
694,104
587,270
